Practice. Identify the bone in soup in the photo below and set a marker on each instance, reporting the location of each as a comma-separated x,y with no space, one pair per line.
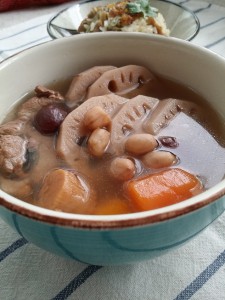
112,141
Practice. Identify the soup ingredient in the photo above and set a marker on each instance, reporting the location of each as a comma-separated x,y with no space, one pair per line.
42,91
14,127
138,144
165,112
122,168
113,206
44,96
98,142
168,141
120,80
159,159
72,128
49,118
129,120
162,189
109,143
95,118
137,16
16,148
13,150
63,190
81,82
18,188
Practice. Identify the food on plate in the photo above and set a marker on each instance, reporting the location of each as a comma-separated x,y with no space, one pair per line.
111,140
129,16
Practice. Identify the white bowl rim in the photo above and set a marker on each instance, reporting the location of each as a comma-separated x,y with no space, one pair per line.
114,221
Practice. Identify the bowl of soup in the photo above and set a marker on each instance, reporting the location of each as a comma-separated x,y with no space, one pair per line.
112,147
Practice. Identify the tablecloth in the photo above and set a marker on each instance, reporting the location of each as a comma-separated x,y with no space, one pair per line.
194,271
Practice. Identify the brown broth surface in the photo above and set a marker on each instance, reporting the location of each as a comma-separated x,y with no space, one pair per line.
201,147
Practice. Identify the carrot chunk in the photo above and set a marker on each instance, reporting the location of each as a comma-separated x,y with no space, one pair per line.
112,207
162,189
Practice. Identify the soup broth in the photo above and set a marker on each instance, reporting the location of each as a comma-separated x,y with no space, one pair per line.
103,147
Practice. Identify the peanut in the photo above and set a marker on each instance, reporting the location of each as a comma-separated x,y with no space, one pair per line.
122,169
159,159
95,118
98,142
138,144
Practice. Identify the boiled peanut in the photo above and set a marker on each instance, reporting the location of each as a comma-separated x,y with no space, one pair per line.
122,168
159,159
98,142
138,144
96,117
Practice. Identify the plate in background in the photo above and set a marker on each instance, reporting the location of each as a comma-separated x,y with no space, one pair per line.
183,23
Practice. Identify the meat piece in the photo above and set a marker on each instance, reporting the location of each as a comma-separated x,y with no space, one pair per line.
32,106
14,127
42,91
72,129
13,151
44,97
81,82
129,120
165,111
120,81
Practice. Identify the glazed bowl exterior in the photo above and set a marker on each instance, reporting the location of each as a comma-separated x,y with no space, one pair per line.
118,239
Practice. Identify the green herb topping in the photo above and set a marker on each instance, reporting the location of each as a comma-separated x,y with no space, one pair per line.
142,6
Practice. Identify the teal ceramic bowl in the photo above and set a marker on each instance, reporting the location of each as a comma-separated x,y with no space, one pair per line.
116,239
